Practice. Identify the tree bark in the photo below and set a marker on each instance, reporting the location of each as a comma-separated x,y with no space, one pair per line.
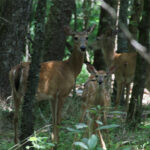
55,38
105,21
99,62
27,121
87,12
13,28
135,107
137,9
123,16
122,40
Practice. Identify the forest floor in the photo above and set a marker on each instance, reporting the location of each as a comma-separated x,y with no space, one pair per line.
123,138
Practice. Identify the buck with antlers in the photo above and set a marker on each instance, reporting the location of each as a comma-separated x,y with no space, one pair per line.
96,93
123,63
56,80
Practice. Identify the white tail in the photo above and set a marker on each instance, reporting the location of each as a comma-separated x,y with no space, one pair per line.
56,80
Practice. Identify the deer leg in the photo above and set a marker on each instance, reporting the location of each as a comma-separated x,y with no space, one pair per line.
119,92
84,108
57,105
59,111
53,108
127,94
16,118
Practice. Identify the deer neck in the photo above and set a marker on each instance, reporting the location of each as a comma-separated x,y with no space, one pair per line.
76,61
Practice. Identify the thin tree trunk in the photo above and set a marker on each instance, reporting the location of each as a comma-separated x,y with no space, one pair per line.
123,16
13,28
135,20
55,38
105,21
87,12
122,40
27,121
135,107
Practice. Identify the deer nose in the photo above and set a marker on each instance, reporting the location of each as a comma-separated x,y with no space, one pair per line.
83,48
100,82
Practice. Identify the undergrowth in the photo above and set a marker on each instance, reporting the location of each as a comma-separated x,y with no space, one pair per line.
119,136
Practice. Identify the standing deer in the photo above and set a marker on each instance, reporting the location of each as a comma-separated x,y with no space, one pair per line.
96,93
56,80
123,63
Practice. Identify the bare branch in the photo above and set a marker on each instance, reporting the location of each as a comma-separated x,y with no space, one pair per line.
142,50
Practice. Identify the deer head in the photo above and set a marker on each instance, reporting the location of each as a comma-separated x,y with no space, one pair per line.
80,38
99,76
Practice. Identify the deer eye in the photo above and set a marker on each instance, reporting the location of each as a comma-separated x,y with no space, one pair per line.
76,38
96,76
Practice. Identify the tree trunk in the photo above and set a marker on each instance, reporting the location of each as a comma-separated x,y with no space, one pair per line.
99,62
123,16
55,38
135,20
105,21
122,40
135,107
13,28
87,12
27,123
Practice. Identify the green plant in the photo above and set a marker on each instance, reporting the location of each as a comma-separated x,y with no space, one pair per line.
40,143
88,144
83,75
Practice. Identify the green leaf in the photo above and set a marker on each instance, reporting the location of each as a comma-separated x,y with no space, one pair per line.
27,147
33,139
108,127
85,141
92,142
81,144
73,130
81,125
117,112
99,148
99,122
51,144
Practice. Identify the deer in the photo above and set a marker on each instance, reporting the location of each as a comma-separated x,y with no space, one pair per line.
56,80
96,93
123,64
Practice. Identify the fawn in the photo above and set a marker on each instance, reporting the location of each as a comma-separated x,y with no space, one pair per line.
96,93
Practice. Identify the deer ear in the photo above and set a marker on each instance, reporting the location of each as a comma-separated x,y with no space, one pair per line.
90,29
68,30
111,70
91,69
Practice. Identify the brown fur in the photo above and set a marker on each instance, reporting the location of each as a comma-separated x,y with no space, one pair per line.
124,64
95,93
56,80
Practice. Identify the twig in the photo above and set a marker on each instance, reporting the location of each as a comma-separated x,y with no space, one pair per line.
15,147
